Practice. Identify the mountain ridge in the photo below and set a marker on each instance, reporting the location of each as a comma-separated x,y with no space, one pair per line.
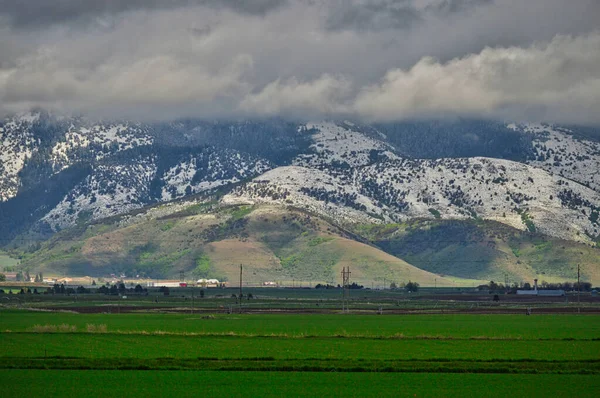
346,172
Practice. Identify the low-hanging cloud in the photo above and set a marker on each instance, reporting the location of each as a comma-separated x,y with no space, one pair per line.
324,96
374,59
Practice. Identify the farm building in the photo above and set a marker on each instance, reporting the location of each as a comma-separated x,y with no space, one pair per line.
541,292
165,283
10,276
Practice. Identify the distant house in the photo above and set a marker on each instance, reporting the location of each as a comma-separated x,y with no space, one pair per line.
10,276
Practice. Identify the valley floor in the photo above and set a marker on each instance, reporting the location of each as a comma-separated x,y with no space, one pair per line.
53,353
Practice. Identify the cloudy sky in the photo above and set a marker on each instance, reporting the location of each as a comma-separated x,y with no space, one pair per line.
370,59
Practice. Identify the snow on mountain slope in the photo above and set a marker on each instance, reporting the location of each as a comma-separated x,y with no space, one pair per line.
118,187
336,145
290,185
108,191
501,190
96,142
394,189
58,143
557,150
17,144
207,169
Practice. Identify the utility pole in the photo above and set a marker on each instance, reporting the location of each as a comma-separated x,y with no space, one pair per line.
240,297
578,291
193,287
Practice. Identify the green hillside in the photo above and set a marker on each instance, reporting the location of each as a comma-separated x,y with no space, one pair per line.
210,241
281,244
7,262
485,250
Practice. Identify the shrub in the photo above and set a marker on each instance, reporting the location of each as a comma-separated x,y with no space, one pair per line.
91,328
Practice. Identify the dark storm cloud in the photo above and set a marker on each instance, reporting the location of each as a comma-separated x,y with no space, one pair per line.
453,6
38,13
377,15
379,59
373,15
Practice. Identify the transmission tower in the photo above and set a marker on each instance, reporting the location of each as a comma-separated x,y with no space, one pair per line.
578,290
182,276
345,286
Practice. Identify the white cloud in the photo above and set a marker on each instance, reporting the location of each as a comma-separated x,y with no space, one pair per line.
560,80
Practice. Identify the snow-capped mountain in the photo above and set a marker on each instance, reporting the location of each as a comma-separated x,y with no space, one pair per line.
558,150
545,181
17,144
95,143
357,178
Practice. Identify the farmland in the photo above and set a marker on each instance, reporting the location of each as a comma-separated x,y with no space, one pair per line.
272,384
299,354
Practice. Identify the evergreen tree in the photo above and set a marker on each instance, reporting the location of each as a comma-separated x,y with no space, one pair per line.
412,286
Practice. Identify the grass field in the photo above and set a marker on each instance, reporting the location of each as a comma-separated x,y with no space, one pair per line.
288,384
281,348
7,261
453,326
299,355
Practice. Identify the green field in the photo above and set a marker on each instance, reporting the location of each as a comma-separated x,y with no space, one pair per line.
516,327
299,355
288,384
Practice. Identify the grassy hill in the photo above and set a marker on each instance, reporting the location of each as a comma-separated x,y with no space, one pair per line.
7,262
485,250
281,244
273,244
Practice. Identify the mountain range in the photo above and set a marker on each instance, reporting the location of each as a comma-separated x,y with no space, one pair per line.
450,202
